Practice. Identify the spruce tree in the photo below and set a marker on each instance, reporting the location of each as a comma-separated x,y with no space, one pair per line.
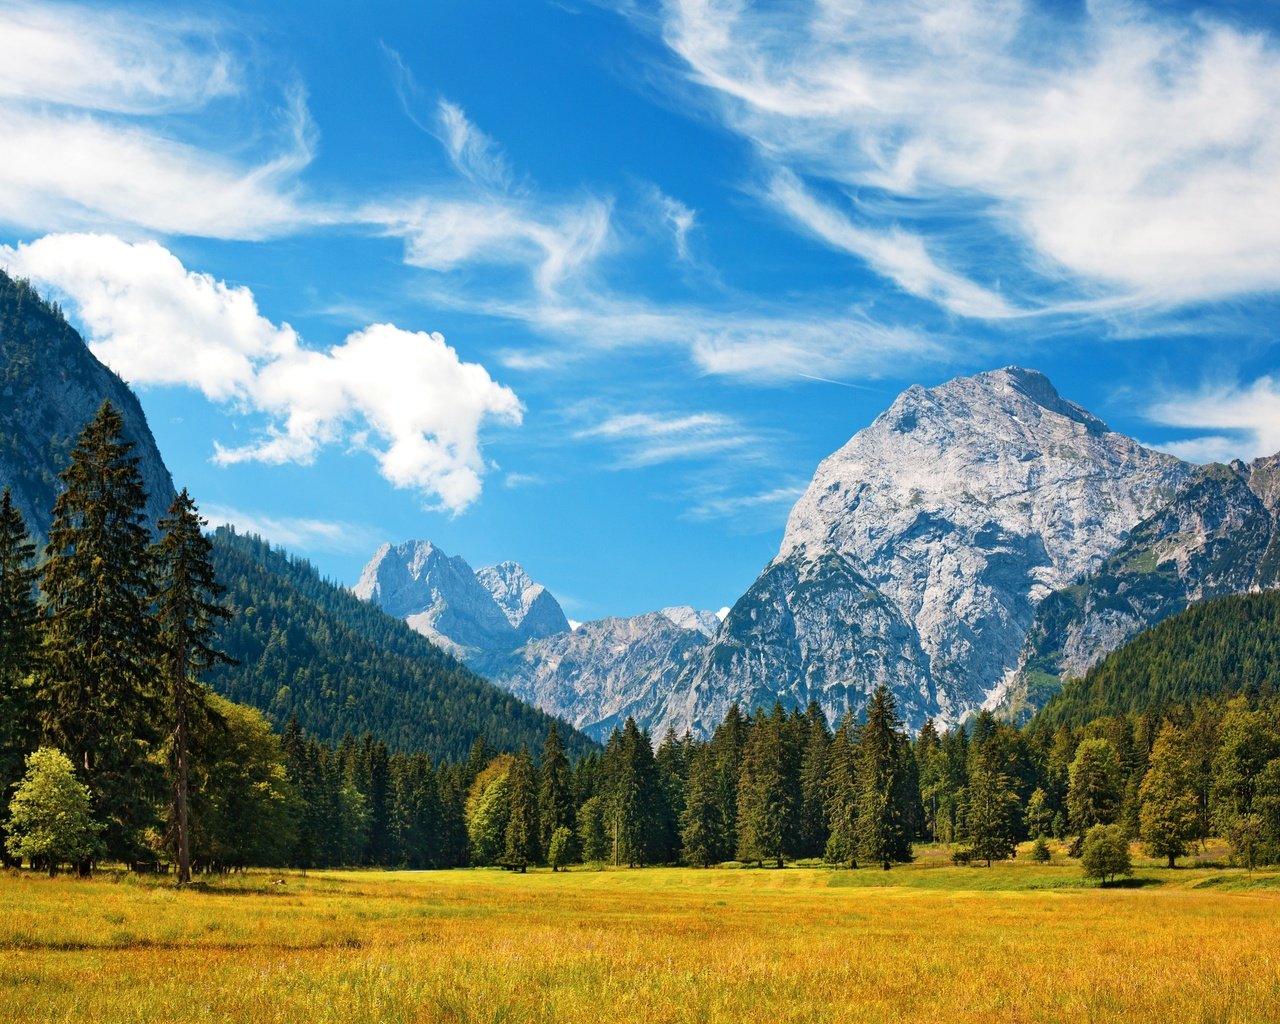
811,825
767,797
1096,786
187,617
555,792
101,700
883,830
521,847
21,631
842,795
1168,818
990,812
702,828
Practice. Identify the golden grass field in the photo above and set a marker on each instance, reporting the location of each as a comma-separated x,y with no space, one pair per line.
928,942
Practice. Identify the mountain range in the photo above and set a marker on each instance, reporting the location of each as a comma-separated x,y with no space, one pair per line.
977,544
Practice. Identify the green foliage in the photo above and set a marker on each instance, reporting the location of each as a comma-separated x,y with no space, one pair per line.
1096,787
99,692
489,811
637,811
702,827
50,821
885,793
991,808
562,850
521,847
555,789
21,632
1224,646
310,649
1169,818
593,834
1040,852
768,791
1104,853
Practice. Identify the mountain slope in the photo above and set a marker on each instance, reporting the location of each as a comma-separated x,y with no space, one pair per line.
1220,646
921,549
51,385
1218,536
309,648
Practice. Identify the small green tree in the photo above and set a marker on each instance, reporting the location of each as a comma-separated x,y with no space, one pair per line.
1040,850
1105,853
1096,787
1039,815
562,849
49,816
991,809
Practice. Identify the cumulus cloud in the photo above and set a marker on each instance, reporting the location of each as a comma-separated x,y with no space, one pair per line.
1120,148
404,396
1244,421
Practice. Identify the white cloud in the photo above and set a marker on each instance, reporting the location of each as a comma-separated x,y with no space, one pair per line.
729,506
404,396
292,532
84,96
1245,421
680,219
1124,149
646,439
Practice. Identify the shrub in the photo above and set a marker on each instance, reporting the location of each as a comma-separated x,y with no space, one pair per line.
1105,853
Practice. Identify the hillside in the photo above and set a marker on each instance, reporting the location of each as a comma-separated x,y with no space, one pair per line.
51,385
1227,645
309,648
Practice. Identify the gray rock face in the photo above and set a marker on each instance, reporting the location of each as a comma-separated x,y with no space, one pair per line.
51,385
919,553
438,596
1218,536
528,605
688,617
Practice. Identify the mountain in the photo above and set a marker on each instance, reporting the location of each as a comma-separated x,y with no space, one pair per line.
1218,536
51,385
1221,646
921,549
310,648
528,606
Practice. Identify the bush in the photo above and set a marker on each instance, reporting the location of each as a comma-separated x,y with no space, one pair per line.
1105,853
1040,852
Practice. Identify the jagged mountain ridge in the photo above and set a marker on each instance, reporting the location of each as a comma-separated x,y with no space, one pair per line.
921,549
1219,536
51,385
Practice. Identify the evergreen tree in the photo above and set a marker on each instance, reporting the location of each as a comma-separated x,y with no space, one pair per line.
728,744
1096,787
702,828
990,811
768,797
1039,816
488,811
672,759
595,838
884,802
842,795
521,847
636,798
555,789
21,629
101,701
187,617
1168,818
811,825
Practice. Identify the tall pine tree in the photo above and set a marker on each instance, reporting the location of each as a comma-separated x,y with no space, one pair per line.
883,828
101,700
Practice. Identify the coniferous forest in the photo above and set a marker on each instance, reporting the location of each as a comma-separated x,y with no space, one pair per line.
116,748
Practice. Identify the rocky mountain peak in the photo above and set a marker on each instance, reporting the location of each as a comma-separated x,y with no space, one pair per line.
527,604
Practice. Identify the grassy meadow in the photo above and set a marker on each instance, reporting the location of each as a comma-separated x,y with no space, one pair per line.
928,942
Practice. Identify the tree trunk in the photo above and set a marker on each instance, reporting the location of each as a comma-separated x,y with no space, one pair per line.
1172,858
180,773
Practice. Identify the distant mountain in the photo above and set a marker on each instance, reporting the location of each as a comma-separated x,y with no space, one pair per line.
1218,536
920,551
511,630
1222,646
51,385
310,648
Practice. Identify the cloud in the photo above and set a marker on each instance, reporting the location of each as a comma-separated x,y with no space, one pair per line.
680,219
730,506
101,86
1119,148
1245,420
295,533
406,397
646,439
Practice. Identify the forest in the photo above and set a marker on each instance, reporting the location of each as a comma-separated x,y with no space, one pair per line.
115,749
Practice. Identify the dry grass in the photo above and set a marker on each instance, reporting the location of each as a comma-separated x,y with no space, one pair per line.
926,943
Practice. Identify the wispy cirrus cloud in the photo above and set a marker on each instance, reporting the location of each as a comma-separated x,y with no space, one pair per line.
1120,149
647,439
1242,421
295,532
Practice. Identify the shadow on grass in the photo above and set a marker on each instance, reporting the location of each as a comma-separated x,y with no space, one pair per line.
1133,883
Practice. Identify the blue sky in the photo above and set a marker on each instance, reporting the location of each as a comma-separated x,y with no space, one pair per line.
595,286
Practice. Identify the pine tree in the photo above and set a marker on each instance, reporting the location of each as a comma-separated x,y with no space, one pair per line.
990,812
636,801
101,701
555,795
883,826
842,795
1096,787
21,631
812,833
728,744
521,846
767,792
187,616
702,829
1168,818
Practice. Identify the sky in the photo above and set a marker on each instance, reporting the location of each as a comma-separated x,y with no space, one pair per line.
595,286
